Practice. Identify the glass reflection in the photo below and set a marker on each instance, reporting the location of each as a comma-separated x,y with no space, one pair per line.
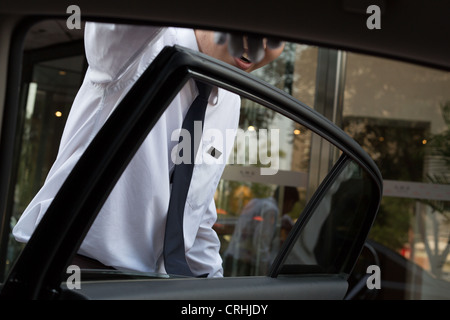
338,217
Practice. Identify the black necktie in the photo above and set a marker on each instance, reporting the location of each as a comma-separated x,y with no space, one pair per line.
174,253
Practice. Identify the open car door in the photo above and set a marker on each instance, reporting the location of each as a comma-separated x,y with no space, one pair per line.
313,262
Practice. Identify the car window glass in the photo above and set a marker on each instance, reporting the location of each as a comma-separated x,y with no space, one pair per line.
327,239
257,209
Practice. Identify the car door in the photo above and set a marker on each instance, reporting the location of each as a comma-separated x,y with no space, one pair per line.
314,260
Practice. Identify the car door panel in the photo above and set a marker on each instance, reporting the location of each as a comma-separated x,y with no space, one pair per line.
239,288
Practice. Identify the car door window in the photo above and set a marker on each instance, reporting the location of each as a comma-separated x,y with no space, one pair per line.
264,188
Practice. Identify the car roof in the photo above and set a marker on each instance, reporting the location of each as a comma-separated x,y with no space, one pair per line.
414,31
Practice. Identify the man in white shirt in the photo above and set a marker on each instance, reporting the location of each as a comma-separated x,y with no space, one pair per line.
128,232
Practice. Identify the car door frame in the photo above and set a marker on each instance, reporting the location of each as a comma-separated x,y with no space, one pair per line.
40,267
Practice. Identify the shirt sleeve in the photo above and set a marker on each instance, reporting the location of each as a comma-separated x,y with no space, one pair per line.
204,256
111,48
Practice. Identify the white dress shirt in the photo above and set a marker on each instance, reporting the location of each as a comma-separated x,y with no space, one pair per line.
128,233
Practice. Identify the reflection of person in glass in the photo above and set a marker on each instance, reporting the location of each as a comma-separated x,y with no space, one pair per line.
250,249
